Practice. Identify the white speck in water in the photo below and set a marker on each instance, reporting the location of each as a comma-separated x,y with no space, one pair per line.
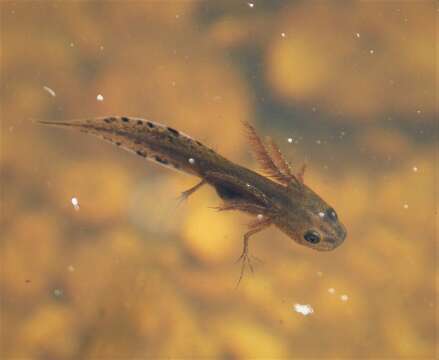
415,169
318,142
191,161
99,97
319,273
75,203
283,34
344,297
251,4
177,16
357,35
101,47
314,109
260,217
418,112
248,185
57,292
331,290
372,51
71,268
49,90
72,44
406,206
290,140
321,214
303,309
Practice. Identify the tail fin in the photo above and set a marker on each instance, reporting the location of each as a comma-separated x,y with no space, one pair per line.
151,140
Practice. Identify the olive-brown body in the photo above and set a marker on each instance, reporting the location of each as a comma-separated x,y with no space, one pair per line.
281,198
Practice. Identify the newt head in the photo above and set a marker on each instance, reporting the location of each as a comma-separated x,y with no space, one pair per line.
311,222
302,214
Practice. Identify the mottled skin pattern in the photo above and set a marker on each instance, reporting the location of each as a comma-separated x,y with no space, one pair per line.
286,203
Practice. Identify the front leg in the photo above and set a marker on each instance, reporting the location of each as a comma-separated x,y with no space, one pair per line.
255,227
263,220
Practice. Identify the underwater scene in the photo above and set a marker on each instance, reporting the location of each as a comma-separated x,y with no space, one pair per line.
313,128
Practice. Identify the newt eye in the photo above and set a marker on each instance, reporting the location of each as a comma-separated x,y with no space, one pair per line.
331,214
312,237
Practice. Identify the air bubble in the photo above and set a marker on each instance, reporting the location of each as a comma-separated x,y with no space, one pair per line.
49,90
344,297
191,161
75,203
304,309
99,97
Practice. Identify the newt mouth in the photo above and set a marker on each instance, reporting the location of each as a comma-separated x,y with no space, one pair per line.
331,243
341,233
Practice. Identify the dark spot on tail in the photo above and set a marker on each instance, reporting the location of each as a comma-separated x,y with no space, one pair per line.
118,143
161,161
141,153
125,119
109,120
139,122
173,131
198,143
150,124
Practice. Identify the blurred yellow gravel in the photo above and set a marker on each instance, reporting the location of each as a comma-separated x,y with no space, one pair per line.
133,274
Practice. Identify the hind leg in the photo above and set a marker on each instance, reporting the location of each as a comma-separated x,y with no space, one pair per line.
185,194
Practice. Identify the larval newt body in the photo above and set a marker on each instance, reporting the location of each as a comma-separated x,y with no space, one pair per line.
281,198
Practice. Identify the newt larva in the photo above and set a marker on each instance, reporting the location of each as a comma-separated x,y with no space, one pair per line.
280,198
